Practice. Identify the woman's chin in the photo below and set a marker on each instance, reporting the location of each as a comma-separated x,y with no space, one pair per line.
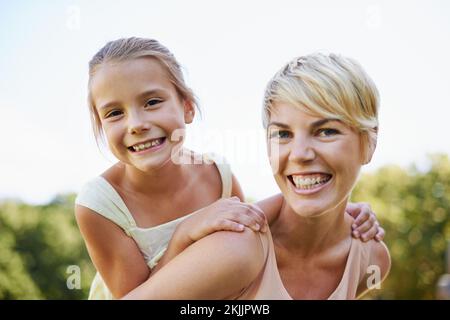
308,210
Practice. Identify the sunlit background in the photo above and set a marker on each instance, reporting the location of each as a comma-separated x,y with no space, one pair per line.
229,51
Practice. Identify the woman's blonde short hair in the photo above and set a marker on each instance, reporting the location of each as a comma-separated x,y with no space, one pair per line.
132,48
327,85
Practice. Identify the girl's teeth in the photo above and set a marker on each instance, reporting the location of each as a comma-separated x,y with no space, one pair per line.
147,145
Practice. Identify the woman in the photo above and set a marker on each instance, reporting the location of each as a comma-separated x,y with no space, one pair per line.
320,112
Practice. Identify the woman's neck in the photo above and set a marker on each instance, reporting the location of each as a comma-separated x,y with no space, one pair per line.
309,236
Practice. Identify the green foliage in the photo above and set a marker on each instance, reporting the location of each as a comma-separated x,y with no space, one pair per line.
37,245
414,209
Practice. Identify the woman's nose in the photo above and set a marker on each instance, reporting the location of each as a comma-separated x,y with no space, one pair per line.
302,150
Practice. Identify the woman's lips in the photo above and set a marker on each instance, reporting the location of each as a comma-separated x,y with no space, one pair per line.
309,184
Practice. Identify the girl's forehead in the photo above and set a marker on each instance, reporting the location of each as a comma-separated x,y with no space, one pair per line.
143,67
128,78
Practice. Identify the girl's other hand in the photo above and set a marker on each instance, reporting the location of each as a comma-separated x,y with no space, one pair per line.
366,225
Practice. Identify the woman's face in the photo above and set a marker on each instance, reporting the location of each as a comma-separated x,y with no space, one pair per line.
315,160
139,109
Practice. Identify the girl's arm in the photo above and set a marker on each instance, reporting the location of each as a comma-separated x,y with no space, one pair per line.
218,266
115,255
223,215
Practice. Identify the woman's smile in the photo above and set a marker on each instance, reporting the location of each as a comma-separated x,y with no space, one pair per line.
307,184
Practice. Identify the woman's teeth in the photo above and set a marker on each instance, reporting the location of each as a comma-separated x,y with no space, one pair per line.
143,146
310,182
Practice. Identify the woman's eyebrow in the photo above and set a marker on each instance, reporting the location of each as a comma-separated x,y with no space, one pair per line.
278,124
315,124
321,122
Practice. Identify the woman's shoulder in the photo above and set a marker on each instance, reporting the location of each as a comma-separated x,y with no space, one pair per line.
380,257
377,266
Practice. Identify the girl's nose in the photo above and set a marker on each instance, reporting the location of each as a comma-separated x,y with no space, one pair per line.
137,123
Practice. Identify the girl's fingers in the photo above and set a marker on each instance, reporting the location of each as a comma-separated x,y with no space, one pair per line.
228,225
368,229
380,234
362,218
367,225
249,216
261,217
241,215
369,235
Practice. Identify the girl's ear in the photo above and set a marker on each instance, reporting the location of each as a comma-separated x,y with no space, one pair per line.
189,111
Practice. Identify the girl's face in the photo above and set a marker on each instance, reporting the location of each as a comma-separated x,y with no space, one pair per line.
315,160
139,110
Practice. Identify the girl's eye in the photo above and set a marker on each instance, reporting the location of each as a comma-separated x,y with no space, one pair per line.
113,113
280,134
153,102
327,132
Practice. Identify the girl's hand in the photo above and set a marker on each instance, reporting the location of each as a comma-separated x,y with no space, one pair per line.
224,215
365,226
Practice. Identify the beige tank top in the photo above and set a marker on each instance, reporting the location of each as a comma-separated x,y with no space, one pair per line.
268,285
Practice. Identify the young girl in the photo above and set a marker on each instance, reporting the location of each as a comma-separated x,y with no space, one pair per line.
138,102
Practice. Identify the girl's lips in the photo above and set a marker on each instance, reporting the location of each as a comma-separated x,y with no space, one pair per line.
308,191
151,149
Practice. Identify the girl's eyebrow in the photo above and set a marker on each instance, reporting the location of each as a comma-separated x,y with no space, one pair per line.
108,105
140,96
151,92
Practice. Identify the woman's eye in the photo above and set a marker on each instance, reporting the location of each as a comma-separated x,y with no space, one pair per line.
282,134
327,132
113,113
153,102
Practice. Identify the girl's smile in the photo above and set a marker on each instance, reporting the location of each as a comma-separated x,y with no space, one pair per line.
150,145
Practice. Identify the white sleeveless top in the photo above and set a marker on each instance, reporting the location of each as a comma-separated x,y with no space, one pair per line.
100,196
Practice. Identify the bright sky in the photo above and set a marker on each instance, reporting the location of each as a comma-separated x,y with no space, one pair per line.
229,50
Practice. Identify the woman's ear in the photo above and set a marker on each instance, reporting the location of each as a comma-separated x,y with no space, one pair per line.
189,111
369,144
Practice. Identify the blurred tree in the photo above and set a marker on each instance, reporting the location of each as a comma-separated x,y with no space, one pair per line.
414,208
37,245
